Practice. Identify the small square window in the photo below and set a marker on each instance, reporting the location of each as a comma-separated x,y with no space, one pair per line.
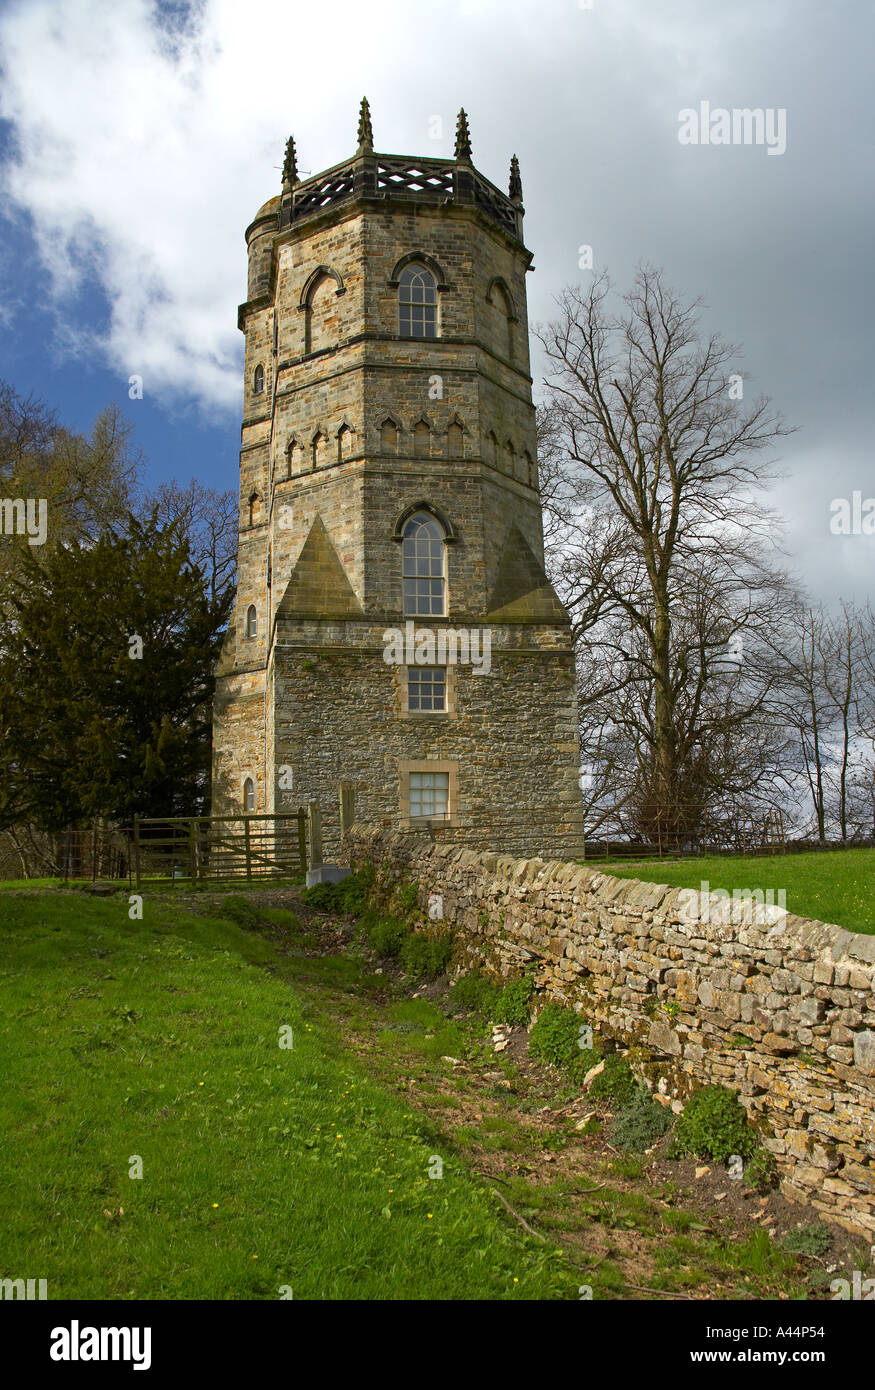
427,689
429,795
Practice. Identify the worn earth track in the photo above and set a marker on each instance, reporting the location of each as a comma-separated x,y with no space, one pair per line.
635,1225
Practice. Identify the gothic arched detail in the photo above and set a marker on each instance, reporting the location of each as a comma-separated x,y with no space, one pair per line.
313,281
423,506
498,283
419,258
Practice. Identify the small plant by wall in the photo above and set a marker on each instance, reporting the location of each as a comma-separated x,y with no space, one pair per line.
641,1122
514,1005
713,1124
476,991
556,1038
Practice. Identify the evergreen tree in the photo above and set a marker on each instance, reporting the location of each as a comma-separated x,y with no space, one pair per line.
106,678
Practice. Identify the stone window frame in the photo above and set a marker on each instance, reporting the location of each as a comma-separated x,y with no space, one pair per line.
249,793
258,380
450,710
449,765
251,624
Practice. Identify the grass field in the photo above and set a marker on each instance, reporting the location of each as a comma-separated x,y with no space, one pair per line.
267,1172
836,887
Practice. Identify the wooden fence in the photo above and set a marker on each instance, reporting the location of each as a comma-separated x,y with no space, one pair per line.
219,847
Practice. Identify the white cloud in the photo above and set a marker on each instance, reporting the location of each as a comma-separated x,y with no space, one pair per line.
143,150
142,154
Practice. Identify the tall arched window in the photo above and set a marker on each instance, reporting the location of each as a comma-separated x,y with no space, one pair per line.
417,303
293,454
258,380
319,448
251,621
422,565
254,509
249,796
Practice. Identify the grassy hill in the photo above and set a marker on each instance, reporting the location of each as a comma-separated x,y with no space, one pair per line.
266,1171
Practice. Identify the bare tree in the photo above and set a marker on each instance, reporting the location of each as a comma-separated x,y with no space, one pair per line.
661,545
209,519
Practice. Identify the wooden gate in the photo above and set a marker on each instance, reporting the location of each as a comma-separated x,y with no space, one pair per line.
197,848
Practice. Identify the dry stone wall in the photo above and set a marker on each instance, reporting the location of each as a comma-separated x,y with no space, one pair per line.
701,990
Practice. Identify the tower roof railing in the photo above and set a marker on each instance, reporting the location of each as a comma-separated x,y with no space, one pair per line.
421,180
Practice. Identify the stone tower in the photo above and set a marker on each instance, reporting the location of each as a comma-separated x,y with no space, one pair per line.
394,630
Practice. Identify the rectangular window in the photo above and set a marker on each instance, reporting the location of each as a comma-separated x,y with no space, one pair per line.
426,688
429,795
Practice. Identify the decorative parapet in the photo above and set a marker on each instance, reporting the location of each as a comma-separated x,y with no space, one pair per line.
368,175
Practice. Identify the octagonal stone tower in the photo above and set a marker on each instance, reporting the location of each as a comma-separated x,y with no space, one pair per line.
394,630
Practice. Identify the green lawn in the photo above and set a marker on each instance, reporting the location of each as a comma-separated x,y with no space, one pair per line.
834,887
263,1169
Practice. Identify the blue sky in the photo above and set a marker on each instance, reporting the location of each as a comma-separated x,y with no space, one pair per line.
179,440
138,140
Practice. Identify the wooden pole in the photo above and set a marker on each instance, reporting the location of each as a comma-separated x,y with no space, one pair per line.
347,807
247,847
192,848
137,851
302,836
314,818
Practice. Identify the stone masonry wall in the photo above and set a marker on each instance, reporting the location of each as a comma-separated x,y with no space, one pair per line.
781,1009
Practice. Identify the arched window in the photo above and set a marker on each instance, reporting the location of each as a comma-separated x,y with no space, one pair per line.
388,437
258,380
293,454
455,441
509,459
249,796
251,621
531,473
254,509
319,447
422,565
417,303
344,434
421,440
492,449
